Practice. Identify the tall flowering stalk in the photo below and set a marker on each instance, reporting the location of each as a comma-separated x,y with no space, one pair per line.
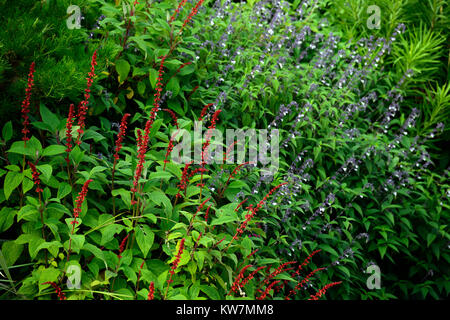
251,213
191,15
177,10
26,104
305,262
83,106
69,125
199,208
206,144
175,265
143,145
303,282
236,284
77,210
204,111
266,292
322,291
120,135
184,180
36,180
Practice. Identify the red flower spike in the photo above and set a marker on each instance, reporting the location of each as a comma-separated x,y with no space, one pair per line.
305,262
235,286
35,175
69,124
184,180
58,290
207,213
303,282
278,270
191,14
177,10
322,291
176,261
26,103
122,247
121,134
151,291
204,110
79,201
266,292
250,276
174,117
82,107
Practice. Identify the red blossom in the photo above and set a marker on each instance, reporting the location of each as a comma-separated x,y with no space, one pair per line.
207,213
277,271
236,284
174,117
177,10
322,291
69,124
305,262
58,290
191,14
208,134
192,92
176,261
266,292
82,107
143,142
35,175
184,180
122,246
250,276
303,282
26,103
204,110
79,201
151,291
122,130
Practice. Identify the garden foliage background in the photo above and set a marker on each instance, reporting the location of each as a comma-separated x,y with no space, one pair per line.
363,114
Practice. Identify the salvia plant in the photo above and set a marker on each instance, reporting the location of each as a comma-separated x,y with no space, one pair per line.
95,205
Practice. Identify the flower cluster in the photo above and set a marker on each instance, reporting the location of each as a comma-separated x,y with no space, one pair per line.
69,124
35,175
122,246
191,14
26,103
122,130
58,290
266,292
176,261
184,179
323,290
151,291
236,284
177,10
82,107
79,201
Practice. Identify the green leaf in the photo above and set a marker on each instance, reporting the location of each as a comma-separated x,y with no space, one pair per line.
174,86
52,247
6,218
77,242
223,219
48,275
7,131
12,181
48,117
63,190
144,238
125,195
122,68
12,252
153,76
53,150
28,213
46,170
210,292
108,233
